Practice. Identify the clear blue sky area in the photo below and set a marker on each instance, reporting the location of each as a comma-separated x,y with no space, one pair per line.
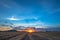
30,12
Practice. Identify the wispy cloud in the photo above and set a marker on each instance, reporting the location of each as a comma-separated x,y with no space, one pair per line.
50,6
8,4
3,28
22,18
32,17
37,24
13,18
54,11
5,5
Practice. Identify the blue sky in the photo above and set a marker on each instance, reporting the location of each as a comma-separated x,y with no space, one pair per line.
30,12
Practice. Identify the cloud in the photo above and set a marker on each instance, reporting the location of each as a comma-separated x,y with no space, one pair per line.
13,18
54,11
50,6
37,24
5,28
32,17
22,18
8,4
5,5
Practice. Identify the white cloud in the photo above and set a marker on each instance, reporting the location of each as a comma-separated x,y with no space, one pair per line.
22,18
13,18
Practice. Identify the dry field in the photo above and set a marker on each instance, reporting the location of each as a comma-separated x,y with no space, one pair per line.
27,36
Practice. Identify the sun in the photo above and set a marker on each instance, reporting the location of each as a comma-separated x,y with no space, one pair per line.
30,30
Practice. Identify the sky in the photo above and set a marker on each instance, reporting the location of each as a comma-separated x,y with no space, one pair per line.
30,12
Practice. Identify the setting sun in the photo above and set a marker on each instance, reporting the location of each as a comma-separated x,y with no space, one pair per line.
30,30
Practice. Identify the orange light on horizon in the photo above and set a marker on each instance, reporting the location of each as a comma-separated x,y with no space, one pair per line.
5,28
30,30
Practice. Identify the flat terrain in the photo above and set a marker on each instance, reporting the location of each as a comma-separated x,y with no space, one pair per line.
29,36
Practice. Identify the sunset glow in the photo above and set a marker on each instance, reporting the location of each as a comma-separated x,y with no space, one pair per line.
30,30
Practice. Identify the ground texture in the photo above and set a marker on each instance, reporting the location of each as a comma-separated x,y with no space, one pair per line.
29,36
